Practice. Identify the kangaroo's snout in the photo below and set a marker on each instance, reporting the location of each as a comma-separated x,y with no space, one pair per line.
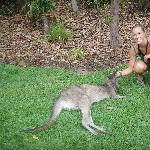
112,75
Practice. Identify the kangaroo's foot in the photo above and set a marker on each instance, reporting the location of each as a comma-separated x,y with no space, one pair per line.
91,129
119,96
99,129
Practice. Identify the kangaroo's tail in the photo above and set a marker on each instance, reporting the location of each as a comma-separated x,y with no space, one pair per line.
55,113
38,129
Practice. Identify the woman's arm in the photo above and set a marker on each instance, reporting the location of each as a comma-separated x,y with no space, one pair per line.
131,64
147,55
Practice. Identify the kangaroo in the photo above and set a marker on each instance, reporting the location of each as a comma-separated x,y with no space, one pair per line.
81,97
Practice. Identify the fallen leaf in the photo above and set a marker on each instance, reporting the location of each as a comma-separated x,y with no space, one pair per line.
35,137
110,108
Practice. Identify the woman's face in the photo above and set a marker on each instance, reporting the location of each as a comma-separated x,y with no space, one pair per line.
138,35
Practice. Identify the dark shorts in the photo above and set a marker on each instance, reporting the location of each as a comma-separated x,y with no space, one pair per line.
148,64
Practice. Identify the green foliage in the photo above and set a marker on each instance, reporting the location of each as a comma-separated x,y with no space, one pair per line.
78,54
58,32
106,19
7,7
96,2
142,5
123,4
38,7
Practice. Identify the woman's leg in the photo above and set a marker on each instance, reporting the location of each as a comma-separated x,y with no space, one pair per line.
148,64
140,67
140,78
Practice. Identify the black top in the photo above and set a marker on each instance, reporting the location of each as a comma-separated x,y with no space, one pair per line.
140,55
139,51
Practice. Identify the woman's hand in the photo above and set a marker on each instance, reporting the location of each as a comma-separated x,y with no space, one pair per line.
118,74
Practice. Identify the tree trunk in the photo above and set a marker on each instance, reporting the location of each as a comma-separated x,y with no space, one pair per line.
45,23
114,24
74,5
21,5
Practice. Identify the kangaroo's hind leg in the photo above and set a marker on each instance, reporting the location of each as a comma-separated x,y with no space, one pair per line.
85,110
86,122
92,125
57,108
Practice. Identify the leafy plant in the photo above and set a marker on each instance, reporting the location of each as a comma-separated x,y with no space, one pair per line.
96,2
141,5
37,7
78,54
58,32
106,19
7,7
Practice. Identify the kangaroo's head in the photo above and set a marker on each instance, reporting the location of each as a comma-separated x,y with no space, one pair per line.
111,80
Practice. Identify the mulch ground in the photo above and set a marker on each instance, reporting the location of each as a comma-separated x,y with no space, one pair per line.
25,45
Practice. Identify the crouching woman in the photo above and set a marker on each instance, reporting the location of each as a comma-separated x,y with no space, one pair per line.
139,54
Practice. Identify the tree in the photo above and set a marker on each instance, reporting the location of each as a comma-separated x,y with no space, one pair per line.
114,24
37,9
74,5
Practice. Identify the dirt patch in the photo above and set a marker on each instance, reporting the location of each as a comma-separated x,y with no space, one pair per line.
23,45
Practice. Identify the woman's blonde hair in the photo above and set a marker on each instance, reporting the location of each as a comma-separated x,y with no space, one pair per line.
140,26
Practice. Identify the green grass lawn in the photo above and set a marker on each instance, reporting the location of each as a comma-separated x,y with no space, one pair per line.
27,95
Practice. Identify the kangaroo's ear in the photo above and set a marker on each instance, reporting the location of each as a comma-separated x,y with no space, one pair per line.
112,75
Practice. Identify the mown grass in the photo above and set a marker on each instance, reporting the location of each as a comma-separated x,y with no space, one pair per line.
28,94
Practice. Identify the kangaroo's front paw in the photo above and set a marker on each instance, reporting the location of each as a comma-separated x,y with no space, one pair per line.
118,96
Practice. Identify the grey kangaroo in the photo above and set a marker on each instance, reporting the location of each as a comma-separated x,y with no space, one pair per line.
82,97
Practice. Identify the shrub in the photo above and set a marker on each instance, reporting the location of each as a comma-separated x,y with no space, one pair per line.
58,32
96,2
8,7
106,19
142,5
78,54
37,7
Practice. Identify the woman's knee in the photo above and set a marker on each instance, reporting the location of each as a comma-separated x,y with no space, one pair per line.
140,67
